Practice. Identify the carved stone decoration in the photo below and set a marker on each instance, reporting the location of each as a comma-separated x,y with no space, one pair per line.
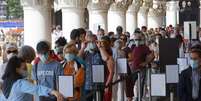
135,6
73,3
120,5
158,9
99,5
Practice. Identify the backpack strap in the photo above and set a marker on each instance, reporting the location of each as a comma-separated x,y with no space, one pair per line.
36,72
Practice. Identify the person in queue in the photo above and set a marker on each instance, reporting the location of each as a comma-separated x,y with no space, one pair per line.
16,88
47,70
141,57
82,35
106,54
129,85
189,81
74,68
27,53
92,56
11,50
100,33
119,31
118,89
58,50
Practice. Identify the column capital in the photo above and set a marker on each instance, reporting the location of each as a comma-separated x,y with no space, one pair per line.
36,3
156,12
135,6
102,5
73,3
120,5
172,5
143,10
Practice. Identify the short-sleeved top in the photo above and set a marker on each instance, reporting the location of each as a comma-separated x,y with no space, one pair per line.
139,56
47,74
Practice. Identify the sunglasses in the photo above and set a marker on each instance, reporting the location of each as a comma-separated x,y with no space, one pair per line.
13,51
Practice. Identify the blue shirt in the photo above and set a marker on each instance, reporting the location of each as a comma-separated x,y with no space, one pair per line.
47,74
22,89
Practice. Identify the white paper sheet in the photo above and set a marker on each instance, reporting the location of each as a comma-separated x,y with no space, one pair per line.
187,30
172,73
98,73
158,85
183,64
122,65
66,86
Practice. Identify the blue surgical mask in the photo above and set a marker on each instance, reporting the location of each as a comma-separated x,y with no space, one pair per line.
69,57
90,47
44,58
194,64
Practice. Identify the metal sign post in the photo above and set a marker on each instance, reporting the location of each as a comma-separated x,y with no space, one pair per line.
139,86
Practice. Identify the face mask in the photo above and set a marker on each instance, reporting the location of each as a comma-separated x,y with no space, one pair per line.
10,55
172,36
69,57
194,64
142,42
137,43
99,36
90,47
44,58
157,41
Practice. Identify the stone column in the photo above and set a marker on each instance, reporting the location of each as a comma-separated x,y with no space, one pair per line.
98,15
143,16
117,15
131,16
156,15
172,13
37,21
72,15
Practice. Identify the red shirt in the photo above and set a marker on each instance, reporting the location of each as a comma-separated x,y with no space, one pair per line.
139,56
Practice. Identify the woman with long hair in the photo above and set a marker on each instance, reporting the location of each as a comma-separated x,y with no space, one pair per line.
16,88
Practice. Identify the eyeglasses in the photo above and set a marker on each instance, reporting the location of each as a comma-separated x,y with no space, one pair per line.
138,39
13,51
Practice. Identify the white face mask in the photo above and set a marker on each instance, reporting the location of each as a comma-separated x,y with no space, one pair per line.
137,43
11,55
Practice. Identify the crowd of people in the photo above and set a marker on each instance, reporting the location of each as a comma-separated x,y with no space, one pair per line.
27,73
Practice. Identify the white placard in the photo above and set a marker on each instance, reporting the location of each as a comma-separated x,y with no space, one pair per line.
172,73
98,73
158,85
66,86
187,30
183,64
122,65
